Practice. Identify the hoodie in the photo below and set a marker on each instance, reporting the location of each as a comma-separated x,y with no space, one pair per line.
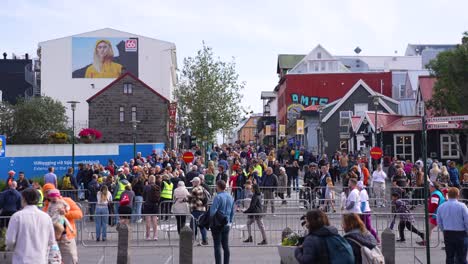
365,239
314,249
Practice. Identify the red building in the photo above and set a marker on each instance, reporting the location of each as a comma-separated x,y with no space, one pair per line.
297,91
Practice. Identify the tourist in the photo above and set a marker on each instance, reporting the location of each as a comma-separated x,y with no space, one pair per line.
352,201
365,209
223,205
268,184
255,208
50,177
104,198
138,185
181,206
126,204
282,184
400,208
435,200
152,196
357,235
198,203
22,182
10,203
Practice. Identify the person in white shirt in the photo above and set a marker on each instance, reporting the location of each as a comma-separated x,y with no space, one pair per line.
30,232
378,183
352,202
365,209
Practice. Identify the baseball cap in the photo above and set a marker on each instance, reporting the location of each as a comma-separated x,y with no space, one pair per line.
53,193
360,184
197,179
47,187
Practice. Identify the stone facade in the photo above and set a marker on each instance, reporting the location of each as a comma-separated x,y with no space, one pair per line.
151,111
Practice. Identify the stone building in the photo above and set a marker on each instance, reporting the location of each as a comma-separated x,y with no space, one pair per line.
126,99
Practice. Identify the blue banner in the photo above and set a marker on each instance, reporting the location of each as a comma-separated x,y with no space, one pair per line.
2,146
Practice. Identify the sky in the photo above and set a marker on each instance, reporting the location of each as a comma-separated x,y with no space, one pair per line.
252,32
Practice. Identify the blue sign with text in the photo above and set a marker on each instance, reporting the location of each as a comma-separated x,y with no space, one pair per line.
2,145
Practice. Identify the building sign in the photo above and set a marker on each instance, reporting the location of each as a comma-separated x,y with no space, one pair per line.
172,119
308,100
101,57
300,127
268,130
2,146
282,130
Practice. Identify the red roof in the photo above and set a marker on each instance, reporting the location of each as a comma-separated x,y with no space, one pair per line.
383,119
355,120
120,78
397,125
312,108
426,86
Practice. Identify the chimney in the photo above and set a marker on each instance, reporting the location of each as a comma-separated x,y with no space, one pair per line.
4,55
26,56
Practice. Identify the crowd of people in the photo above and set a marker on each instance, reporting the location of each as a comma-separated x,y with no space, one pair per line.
158,186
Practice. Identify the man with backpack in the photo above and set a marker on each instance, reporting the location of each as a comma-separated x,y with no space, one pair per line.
69,185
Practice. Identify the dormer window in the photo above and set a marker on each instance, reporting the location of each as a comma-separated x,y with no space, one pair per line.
128,88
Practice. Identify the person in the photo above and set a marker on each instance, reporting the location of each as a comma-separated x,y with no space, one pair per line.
69,184
463,170
452,218
223,203
198,201
256,209
295,175
313,249
364,173
352,201
138,185
181,206
191,175
30,233
126,204
104,198
22,182
378,185
210,174
330,195
357,235
56,210
435,200
454,175
152,196
221,174
10,203
233,184
324,174
400,183
366,210
67,247
93,188
50,177
434,172
400,208
103,65
269,183
10,179
282,184
118,190
166,197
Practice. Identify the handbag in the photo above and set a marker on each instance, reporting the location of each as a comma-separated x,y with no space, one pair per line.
218,221
180,207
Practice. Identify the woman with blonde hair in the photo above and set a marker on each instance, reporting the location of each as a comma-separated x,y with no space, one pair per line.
444,176
103,65
357,235
434,172
104,197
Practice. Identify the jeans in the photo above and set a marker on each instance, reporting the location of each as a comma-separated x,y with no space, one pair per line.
196,215
288,191
136,209
296,182
116,212
221,238
102,217
92,208
456,244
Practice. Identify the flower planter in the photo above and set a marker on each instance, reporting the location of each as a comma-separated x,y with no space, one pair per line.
87,140
58,141
286,254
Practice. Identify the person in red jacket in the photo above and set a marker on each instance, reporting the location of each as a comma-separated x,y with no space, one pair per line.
435,200
364,174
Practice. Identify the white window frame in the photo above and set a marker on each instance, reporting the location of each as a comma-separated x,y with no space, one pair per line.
134,113
357,109
450,144
346,117
404,153
402,90
122,114
128,88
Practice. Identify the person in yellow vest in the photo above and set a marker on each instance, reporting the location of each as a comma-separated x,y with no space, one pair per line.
120,188
103,66
37,186
166,196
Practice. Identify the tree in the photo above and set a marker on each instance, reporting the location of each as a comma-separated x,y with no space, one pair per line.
32,121
451,88
208,94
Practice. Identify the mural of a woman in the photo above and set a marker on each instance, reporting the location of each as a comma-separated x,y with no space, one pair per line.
103,66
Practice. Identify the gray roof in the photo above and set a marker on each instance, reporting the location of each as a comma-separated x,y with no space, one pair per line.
417,49
407,107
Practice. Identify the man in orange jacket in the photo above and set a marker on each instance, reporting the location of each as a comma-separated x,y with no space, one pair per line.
68,247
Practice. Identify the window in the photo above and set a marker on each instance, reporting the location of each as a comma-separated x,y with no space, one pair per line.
360,109
402,90
127,88
134,113
122,114
403,146
448,146
319,55
345,118
322,66
316,67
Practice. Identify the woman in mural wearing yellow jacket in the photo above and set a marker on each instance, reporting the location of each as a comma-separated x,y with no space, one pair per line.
103,66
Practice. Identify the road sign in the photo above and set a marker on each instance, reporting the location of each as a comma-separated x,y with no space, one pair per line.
456,118
188,157
376,153
412,122
444,126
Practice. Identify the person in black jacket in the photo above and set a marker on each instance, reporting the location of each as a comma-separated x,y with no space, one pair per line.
269,183
255,208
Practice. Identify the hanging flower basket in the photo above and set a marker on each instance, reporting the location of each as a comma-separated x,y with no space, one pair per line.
89,135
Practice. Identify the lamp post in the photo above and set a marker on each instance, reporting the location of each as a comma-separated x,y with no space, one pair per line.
73,108
320,132
375,98
134,124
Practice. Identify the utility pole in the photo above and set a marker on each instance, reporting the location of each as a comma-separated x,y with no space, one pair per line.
426,209
73,108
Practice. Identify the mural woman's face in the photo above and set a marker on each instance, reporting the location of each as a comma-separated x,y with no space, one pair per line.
102,49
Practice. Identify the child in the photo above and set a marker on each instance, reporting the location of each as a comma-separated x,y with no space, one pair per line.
399,207
330,195
54,252
57,209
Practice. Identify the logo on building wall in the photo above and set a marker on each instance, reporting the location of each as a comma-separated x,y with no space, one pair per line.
294,111
308,100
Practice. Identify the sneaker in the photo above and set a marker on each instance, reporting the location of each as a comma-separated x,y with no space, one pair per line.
155,238
147,238
97,239
262,243
104,240
139,221
248,240
401,240
421,243
204,243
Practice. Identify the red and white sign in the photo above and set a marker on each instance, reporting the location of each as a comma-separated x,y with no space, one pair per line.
456,118
131,45
444,126
376,153
188,157
412,122
172,119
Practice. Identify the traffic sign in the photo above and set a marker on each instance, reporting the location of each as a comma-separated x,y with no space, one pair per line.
444,126
412,122
188,157
456,118
376,153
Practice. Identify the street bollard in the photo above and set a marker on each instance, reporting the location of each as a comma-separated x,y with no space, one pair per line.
388,246
186,245
123,245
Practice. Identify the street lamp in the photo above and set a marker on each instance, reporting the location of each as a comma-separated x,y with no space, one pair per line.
73,108
375,98
134,124
320,132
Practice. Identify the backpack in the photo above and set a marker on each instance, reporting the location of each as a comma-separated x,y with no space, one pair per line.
154,194
124,200
66,183
339,250
370,256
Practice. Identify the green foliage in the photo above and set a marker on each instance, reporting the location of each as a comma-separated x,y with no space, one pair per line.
208,94
291,240
32,121
451,89
3,239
